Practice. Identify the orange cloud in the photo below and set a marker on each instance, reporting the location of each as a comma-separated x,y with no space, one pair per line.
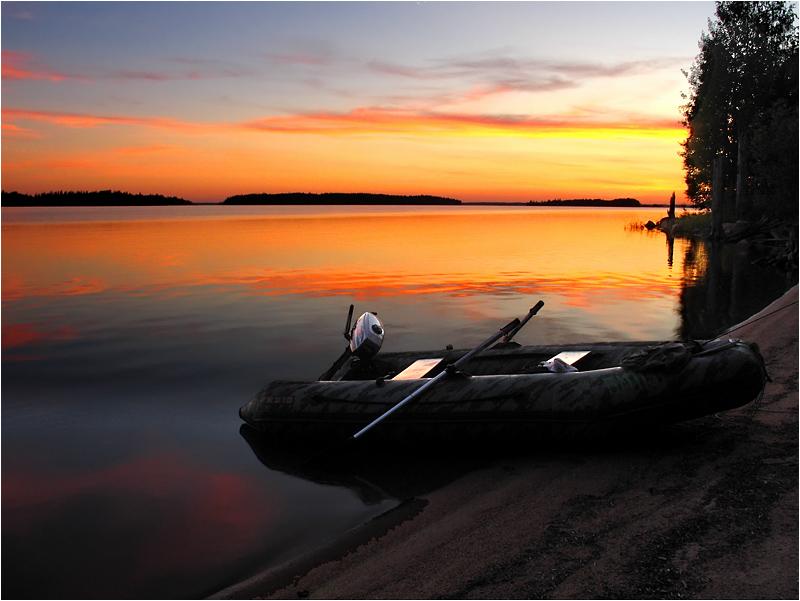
376,121
87,120
371,120
21,66
15,131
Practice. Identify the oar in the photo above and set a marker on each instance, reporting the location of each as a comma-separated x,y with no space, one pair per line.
509,328
347,351
347,325
530,314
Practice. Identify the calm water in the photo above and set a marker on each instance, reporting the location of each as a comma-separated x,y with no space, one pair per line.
132,336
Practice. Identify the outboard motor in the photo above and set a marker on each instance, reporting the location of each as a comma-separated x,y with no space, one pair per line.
366,337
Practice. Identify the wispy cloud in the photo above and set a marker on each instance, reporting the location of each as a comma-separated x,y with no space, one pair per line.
11,130
88,120
367,121
451,79
188,69
499,74
300,59
372,120
21,66
13,12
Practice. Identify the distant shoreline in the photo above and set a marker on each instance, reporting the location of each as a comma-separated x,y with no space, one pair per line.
107,198
589,202
567,204
336,198
102,198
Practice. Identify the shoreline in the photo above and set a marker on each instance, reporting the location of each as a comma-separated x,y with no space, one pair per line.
702,509
339,204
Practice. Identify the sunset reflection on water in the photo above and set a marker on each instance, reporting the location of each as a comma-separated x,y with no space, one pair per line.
579,258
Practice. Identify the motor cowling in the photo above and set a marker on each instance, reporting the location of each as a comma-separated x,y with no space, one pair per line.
366,337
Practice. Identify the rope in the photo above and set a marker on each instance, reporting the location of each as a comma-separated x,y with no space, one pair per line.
747,323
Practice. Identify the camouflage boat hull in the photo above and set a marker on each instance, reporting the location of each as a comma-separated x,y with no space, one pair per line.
499,400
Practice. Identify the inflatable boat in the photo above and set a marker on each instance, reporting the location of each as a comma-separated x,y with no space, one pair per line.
507,392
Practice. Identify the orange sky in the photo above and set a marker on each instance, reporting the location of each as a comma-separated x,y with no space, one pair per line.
348,104
468,159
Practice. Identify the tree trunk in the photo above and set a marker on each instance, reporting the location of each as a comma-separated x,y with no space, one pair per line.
716,198
741,175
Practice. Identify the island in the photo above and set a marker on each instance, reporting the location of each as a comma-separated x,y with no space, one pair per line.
103,198
588,202
336,198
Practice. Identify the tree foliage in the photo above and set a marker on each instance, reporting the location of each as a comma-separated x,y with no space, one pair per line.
102,198
742,105
336,198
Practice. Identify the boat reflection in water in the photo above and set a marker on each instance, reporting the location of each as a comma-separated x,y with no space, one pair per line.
373,477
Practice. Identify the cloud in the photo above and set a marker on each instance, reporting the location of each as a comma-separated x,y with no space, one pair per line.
375,120
501,74
17,13
87,120
11,130
144,75
197,69
300,59
481,77
19,66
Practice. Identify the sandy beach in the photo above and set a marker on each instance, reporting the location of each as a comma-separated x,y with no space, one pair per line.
704,509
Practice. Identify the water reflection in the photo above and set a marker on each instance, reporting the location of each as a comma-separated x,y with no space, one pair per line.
57,515
374,478
582,263
370,256
721,286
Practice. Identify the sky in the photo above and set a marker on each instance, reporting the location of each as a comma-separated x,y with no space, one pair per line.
479,101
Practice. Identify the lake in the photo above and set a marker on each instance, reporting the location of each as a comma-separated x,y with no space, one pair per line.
131,337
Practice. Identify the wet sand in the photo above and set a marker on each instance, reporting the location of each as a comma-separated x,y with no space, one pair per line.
704,509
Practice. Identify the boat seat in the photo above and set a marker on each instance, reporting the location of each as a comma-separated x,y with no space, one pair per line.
563,362
419,369
570,357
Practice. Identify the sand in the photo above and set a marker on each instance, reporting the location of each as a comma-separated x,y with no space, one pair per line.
705,509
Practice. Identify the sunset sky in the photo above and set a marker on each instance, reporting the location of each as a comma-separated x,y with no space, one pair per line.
477,101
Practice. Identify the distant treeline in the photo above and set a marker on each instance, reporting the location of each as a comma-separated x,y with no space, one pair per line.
103,198
590,202
336,198
107,198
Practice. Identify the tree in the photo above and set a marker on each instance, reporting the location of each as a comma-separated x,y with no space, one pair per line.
743,84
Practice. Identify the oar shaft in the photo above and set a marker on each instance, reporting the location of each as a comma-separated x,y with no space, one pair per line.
508,328
481,347
408,399
530,314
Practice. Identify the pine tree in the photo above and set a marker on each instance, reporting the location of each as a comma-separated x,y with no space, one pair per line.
743,85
